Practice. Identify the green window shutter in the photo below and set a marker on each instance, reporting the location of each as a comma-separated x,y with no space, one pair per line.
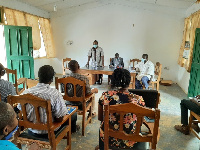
19,49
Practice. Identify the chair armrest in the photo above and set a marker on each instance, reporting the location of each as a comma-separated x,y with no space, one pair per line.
88,97
65,118
21,80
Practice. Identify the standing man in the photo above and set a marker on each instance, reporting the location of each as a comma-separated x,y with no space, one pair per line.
146,73
97,55
117,61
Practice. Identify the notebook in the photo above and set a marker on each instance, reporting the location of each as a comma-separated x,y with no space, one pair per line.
70,110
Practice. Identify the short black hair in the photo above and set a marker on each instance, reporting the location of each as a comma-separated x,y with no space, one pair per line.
2,70
145,55
116,54
73,65
46,74
6,116
120,78
96,41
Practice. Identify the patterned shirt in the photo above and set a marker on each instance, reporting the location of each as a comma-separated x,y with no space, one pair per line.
6,88
58,106
79,89
146,69
115,98
99,53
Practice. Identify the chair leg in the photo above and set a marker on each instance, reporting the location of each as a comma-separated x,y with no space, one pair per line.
190,121
152,86
83,124
157,85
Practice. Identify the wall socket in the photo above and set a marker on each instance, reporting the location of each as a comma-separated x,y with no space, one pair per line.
166,68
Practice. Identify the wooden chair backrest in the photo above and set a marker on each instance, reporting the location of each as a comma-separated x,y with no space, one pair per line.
13,72
135,60
65,64
140,112
158,70
37,104
74,82
31,83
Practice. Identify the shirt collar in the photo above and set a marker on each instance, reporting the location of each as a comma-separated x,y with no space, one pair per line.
43,85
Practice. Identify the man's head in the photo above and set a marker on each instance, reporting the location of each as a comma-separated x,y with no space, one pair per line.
116,55
73,66
145,58
8,121
2,70
95,44
46,74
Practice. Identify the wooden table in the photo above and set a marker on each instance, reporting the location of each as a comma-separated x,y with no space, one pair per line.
107,71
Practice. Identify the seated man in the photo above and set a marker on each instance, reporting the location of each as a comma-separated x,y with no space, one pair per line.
117,61
74,68
8,126
43,90
6,87
146,73
185,106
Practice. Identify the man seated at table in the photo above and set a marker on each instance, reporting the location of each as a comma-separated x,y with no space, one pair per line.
146,68
74,68
117,61
6,87
43,90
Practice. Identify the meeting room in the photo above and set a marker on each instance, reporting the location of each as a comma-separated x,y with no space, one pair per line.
99,74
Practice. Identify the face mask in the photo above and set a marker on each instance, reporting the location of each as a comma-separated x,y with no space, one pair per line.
95,46
142,60
7,137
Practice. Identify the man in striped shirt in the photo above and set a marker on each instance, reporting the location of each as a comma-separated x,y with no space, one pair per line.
44,91
6,87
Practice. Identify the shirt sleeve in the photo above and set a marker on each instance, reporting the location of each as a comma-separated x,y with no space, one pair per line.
151,69
12,90
88,89
90,52
102,53
59,108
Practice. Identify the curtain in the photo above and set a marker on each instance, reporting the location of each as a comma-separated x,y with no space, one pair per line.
190,26
32,21
10,17
45,28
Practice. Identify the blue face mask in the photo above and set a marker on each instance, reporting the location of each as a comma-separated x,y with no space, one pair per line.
95,46
142,60
8,137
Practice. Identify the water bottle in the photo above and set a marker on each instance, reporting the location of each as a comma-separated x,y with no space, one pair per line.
129,68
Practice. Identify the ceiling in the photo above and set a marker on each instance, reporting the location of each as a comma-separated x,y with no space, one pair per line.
48,5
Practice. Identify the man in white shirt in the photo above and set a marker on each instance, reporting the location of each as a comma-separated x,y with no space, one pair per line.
146,73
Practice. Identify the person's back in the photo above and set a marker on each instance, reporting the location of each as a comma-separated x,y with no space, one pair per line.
121,78
6,87
44,91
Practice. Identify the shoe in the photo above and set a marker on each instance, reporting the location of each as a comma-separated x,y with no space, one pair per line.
94,114
196,127
183,129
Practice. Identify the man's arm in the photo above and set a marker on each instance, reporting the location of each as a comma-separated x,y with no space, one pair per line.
58,119
88,60
102,58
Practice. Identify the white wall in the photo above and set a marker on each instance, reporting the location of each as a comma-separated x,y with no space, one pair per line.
154,33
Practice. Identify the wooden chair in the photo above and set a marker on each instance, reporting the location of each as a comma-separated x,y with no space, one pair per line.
65,64
158,70
16,81
53,139
85,100
135,61
137,136
31,83
109,75
192,115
